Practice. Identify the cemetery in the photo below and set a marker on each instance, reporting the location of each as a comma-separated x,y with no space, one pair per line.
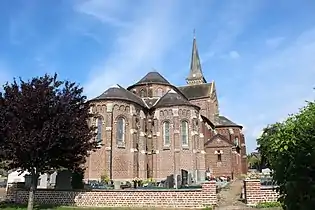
57,189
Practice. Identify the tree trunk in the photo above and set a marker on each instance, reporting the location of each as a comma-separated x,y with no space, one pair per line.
32,191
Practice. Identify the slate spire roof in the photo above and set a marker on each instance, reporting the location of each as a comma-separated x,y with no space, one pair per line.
195,75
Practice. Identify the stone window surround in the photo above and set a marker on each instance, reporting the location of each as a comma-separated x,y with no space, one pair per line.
184,145
164,136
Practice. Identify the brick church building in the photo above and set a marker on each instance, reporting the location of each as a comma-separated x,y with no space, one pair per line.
154,129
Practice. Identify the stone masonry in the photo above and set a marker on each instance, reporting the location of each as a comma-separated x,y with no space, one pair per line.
197,198
154,129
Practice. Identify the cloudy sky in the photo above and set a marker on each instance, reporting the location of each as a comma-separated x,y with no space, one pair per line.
260,53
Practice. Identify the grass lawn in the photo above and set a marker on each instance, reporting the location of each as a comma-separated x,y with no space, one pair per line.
4,206
38,207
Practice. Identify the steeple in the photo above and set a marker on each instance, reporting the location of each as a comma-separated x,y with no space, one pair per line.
195,75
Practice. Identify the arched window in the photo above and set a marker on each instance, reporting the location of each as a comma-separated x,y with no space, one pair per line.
99,130
159,92
142,93
236,141
184,133
219,158
166,133
120,131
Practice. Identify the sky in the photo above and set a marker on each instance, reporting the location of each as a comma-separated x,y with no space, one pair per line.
260,53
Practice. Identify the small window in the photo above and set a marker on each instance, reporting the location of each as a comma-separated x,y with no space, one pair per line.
99,130
184,133
142,93
120,131
159,92
38,182
236,141
219,157
150,93
166,133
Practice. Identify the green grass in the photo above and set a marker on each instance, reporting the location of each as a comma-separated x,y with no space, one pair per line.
4,206
263,205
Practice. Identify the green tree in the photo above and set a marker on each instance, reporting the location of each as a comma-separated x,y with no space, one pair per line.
254,161
289,148
44,127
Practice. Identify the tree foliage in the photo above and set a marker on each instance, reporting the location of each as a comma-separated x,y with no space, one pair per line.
254,161
289,149
44,126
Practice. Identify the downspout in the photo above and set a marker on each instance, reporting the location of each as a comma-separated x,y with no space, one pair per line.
111,146
174,144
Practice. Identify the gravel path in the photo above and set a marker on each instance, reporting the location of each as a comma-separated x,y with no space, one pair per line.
229,199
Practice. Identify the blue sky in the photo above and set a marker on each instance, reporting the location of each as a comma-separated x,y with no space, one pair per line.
259,52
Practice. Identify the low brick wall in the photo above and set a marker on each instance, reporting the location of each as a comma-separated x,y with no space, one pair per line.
256,193
185,198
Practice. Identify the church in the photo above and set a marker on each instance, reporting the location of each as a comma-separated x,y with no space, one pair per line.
154,129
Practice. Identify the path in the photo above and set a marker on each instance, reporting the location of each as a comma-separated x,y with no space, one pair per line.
229,198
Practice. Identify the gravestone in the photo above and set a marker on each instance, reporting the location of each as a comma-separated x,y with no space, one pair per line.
178,181
169,181
184,177
52,179
63,180
42,181
189,179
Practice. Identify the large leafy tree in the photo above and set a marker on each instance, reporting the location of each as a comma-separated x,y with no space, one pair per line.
289,148
44,127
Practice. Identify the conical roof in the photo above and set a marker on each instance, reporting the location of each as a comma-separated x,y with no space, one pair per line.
173,98
120,93
151,78
195,73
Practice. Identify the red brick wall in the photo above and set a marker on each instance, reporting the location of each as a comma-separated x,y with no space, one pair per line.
255,193
126,198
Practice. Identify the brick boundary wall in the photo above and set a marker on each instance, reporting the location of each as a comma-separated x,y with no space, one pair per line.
185,198
256,193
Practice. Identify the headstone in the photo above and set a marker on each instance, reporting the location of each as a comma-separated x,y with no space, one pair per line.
266,171
116,185
28,180
184,177
189,179
63,180
178,181
170,181
52,179
42,181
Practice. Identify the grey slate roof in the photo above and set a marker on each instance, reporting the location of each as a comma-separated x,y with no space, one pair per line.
173,99
224,121
196,91
120,93
151,78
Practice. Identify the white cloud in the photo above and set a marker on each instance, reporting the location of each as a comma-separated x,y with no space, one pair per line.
136,48
105,11
277,86
274,42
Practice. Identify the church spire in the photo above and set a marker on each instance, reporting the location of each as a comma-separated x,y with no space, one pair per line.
195,75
